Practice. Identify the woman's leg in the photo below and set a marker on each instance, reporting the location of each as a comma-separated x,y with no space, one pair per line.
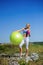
27,43
20,51
26,52
20,46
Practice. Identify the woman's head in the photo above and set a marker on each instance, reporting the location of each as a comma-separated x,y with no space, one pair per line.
27,25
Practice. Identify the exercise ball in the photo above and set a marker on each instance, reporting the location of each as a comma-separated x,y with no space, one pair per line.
16,38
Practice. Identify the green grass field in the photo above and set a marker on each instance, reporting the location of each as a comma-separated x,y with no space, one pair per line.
11,49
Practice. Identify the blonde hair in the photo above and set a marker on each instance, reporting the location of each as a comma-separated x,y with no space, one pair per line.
27,25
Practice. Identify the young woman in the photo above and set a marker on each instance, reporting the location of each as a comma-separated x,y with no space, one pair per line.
26,35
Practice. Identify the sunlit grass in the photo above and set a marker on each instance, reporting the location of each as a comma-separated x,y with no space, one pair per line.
11,49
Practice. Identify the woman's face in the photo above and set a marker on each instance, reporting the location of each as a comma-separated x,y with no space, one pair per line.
27,25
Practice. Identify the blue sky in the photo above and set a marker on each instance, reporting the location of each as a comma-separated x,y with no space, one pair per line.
14,14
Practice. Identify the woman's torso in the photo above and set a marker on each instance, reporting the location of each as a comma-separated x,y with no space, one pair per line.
26,33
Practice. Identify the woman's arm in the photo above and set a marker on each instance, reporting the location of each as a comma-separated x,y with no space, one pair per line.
20,30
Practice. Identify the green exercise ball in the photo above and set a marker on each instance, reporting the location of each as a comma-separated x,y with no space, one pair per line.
16,38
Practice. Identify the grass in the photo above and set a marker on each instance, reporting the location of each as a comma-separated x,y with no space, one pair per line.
11,49
36,48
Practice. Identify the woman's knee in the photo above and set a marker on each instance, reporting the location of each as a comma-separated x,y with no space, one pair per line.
27,45
20,46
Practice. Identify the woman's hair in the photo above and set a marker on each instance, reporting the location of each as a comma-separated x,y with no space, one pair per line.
27,25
